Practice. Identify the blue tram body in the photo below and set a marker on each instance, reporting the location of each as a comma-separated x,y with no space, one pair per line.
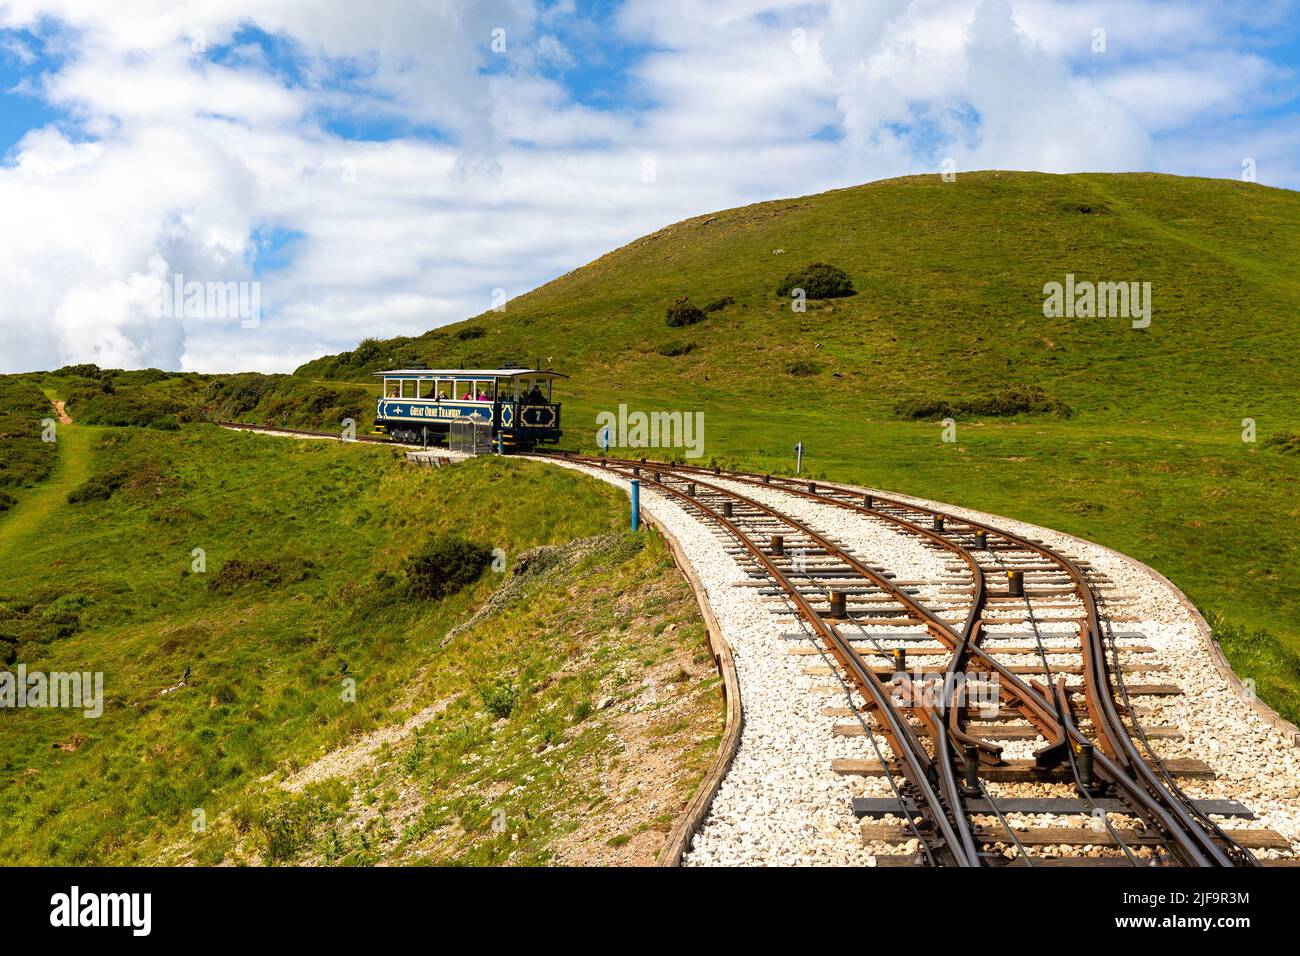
419,405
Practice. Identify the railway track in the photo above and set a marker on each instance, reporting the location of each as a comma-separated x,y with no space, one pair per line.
943,752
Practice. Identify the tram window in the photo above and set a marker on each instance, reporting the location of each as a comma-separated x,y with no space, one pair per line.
408,388
426,388
392,388
464,389
506,389
483,390
444,388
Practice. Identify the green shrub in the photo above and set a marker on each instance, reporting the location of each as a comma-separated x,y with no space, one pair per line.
719,304
681,313
284,830
24,458
671,349
82,371
279,400
93,489
818,281
444,565
121,406
473,332
802,368
1003,403
499,698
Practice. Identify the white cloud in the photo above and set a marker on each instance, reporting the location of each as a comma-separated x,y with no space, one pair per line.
172,160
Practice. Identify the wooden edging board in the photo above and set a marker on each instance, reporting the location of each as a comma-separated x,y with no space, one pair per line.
679,839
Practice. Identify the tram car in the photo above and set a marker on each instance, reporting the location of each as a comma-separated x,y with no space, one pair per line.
419,405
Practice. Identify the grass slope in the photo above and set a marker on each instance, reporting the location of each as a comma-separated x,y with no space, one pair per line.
21,531
949,280
303,589
24,458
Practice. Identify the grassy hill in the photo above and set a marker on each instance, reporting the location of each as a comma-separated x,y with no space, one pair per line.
949,281
484,723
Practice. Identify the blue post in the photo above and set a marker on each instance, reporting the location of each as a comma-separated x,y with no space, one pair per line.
636,505
501,450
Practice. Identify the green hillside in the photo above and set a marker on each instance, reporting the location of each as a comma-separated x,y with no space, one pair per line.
949,280
1144,451
285,693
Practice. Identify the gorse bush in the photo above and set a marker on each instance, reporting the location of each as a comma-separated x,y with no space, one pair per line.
281,400
499,698
682,312
24,458
1003,403
818,281
91,490
146,398
719,304
282,830
445,565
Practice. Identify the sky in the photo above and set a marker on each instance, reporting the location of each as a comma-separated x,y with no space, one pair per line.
224,185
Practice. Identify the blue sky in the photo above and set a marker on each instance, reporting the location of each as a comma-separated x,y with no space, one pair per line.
385,168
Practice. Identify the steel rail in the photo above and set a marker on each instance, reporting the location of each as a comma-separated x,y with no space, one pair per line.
1067,717
1119,762
1171,813
870,735
917,765
938,734
942,763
